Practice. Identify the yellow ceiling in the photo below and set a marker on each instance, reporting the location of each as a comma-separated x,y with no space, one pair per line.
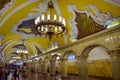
21,9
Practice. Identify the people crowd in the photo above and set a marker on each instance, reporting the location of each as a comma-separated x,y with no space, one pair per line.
10,73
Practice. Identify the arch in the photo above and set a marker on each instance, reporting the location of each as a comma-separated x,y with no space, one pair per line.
55,55
46,58
67,53
89,48
97,57
69,65
40,65
40,60
9,43
45,65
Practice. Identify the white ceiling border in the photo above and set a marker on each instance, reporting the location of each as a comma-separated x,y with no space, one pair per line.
114,2
17,9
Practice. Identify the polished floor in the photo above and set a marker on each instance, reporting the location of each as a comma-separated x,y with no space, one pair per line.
38,76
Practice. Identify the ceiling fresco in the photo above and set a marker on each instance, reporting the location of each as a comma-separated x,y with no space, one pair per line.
86,26
83,18
27,27
3,2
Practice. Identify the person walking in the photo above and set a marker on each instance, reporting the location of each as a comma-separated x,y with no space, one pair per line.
6,71
16,74
10,77
0,73
56,73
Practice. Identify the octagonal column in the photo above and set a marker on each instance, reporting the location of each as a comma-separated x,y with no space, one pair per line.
63,68
52,67
83,67
44,68
115,61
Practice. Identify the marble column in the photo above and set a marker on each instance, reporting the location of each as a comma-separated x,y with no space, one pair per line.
115,61
83,68
36,65
39,67
52,67
63,68
44,68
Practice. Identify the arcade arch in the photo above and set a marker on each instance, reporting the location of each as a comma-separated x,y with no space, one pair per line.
40,63
55,63
69,63
46,64
97,58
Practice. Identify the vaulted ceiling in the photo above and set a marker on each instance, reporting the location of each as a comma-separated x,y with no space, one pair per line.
83,18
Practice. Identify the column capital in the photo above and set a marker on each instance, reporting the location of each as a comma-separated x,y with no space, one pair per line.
82,57
63,59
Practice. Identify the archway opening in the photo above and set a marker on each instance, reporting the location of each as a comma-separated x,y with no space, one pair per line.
99,64
71,67
46,65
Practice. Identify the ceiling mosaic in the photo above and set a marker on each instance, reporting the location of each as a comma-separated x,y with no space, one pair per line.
3,2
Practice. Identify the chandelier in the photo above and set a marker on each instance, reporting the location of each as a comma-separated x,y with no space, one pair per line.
23,53
50,23
21,50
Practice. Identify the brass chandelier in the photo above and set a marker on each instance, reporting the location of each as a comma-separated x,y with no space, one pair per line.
50,23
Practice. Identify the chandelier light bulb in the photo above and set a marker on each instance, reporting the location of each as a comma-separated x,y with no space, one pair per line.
38,28
42,17
55,17
36,21
60,18
48,16
17,51
26,51
63,22
42,28
46,29
60,28
55,29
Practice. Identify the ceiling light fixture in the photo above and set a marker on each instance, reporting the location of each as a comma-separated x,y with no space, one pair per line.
50,23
